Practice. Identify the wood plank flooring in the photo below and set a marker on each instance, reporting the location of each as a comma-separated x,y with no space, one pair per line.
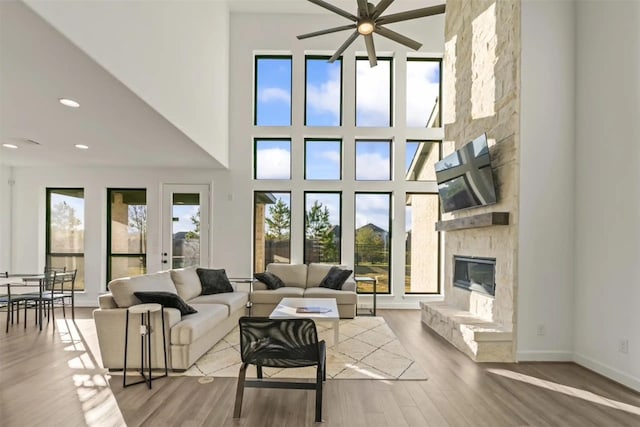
54,378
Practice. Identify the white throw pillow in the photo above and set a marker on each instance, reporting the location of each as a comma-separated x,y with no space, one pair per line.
187,282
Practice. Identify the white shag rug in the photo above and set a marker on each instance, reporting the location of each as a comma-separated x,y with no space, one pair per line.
367,349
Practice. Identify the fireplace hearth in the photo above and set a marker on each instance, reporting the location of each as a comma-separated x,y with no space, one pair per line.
475,274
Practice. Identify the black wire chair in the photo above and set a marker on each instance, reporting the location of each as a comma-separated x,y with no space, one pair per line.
282,343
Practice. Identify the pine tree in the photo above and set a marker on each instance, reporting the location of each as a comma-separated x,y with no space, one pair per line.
278,221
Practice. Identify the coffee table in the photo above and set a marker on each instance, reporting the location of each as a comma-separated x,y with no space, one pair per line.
327,310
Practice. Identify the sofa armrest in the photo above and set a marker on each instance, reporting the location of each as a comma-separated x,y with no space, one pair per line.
349,285
106,301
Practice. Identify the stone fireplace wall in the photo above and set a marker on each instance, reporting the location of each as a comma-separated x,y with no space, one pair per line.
482,94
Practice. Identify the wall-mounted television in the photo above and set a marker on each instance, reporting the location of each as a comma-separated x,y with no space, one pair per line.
465,177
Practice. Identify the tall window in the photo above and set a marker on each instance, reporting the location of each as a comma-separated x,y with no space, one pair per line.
127,233
419,160
272,159
323,92
373,239
322,227
272,91
423,92
373,93
421,265
322,159
65,231
272,228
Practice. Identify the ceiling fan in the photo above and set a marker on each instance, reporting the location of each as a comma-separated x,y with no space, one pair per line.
369,21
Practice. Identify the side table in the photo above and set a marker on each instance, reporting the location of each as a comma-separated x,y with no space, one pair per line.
250,281
367,279
144,310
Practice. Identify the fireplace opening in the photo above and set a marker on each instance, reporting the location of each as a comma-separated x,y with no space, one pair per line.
475,274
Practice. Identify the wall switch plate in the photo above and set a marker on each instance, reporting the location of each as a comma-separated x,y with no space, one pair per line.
541,330
623,346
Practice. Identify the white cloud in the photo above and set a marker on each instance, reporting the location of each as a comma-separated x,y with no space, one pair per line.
331,156
374,209
325,98
274,94
373,93
372,166
421,93
273,163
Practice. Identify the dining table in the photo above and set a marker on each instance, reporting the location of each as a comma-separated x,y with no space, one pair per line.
20,284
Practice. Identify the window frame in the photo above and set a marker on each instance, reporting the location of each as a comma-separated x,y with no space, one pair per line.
304,223
256,59
391,86
341,152
375,141
253,225
427,59
326,58
255,157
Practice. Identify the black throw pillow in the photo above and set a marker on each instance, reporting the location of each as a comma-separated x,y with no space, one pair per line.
271,280
214,281
166,299
335,278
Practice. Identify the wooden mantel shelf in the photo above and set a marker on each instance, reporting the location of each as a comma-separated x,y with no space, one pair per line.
474,221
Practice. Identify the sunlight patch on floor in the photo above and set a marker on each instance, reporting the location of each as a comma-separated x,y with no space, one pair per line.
570,391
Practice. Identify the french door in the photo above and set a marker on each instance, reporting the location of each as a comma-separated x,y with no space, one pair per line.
185,225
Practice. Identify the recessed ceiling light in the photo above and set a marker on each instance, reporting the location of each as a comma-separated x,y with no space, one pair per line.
82,146
69,102
10,146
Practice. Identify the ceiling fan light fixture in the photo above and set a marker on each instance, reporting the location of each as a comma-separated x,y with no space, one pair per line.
366,27
12,146
69,102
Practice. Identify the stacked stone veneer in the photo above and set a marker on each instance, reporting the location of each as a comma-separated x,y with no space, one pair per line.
481,94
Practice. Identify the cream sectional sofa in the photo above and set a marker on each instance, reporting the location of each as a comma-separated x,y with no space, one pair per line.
188,337
302,281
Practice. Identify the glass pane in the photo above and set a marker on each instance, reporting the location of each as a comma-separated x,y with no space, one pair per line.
322,159
273,91
423,91
186,230
70,263
373,160
372,239
127,266
273,159
373,93
128,221
322,227
323,92
272,229
421,266
420,160
66,221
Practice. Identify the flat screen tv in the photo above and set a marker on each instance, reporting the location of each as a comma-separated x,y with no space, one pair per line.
465,178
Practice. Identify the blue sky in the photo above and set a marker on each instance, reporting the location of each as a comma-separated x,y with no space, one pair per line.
273,92
323,159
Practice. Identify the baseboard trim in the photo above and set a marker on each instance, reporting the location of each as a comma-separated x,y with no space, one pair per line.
544,356
607,371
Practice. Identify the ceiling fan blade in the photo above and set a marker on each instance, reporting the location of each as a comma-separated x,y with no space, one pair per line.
371,50
411,14
344,46
327,31
397,37
363,9
334,9
380,8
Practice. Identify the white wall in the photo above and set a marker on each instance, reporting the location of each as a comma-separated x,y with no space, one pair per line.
5,212
547,168
607,284
172,54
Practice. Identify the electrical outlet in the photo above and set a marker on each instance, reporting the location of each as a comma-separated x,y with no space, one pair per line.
623,346
541,330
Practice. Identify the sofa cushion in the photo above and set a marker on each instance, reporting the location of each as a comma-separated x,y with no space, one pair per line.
335,278
274,296
123,289
187,282
342,297
233,300
271,280
194,326
214,281
166,299
293,275
318,271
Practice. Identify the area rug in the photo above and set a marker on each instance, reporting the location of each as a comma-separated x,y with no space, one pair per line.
367,349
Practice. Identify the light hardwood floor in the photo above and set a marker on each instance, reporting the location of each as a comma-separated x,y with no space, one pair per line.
54,378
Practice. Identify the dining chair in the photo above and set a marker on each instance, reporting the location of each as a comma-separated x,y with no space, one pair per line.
44,298
280,343
6,302
64,289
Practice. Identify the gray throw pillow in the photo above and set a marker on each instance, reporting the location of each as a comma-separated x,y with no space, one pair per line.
271,280
214,281
335,278
166,299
